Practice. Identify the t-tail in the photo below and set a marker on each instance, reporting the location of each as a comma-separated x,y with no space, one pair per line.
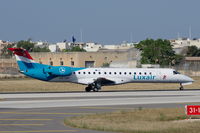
28,66
24,60
33,69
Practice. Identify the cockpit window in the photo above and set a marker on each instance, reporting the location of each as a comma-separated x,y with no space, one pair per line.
175,72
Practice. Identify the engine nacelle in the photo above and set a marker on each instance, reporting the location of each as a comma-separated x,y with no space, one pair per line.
58,70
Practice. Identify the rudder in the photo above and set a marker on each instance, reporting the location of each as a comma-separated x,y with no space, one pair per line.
24,60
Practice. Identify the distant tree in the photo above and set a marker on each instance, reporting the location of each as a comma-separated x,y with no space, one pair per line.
26,45
75,49
177,59
5,52
105,64
193,51
38,49
157,52
30,46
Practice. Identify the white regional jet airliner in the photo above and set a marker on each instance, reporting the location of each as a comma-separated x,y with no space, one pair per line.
95,78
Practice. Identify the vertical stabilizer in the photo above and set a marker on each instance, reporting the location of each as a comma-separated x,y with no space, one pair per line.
24,60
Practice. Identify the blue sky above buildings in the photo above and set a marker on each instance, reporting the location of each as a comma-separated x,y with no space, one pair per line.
103,21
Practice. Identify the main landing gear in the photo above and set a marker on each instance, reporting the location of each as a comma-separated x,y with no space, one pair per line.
181,87
93,87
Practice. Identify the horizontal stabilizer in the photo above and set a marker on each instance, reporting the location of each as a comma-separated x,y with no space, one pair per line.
21,52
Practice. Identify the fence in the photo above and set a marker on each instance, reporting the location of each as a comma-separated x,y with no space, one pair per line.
9,68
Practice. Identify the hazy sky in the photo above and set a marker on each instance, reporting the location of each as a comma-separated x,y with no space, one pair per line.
103,21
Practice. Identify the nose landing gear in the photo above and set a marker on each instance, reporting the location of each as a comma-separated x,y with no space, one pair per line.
181,87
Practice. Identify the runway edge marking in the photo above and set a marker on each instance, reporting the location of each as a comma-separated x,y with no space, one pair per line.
26,119
38,113
39,131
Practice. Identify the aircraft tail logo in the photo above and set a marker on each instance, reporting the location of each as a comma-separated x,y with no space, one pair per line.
24,60
22,55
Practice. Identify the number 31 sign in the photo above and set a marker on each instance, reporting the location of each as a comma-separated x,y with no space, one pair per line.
192,109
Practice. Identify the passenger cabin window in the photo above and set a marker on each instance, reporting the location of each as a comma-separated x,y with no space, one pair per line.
99,72
130,73
175,72
115,72
88,72
120,73
104,72
140,73
134,72
93,72
110,73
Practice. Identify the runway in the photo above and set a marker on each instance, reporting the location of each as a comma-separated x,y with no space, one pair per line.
45,112
44,100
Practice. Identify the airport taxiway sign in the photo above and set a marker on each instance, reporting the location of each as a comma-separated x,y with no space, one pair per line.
192,109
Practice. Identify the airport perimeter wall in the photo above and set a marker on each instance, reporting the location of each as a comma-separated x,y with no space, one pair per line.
9,67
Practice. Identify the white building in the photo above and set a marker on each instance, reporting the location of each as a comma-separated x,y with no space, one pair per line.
41,44
185,42
4,44
62,45
180,45
53,48
122,46
92,47
127,44
79,44
111,47
195,42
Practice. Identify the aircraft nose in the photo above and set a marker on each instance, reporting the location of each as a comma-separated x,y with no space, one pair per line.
188,79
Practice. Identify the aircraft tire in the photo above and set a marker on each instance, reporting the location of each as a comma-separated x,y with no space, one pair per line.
181,88
95,89
87,89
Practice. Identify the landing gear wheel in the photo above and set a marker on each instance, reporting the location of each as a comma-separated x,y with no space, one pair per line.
95,89
87,89
181,87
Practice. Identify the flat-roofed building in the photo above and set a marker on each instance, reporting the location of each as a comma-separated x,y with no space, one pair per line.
62,45
53,48
3,44
92,47
184,42
85,59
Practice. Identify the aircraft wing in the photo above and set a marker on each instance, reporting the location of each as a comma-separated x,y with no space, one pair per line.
104,81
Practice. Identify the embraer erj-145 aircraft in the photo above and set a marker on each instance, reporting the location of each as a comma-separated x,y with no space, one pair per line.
95,78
